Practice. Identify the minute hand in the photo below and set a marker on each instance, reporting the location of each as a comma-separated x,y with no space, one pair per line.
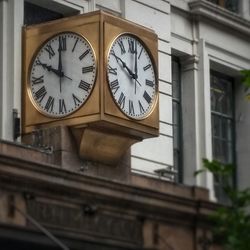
136,68
124,65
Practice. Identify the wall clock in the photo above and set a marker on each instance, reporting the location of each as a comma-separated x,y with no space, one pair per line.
131,76
62,74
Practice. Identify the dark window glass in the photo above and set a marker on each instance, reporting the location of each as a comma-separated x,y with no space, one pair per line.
232,5
34,14
222,117
174,173
177,125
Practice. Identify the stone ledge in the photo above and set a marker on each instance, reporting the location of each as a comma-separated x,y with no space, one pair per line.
140,192
217,14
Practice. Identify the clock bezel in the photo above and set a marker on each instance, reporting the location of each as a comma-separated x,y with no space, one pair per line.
34,56
156,95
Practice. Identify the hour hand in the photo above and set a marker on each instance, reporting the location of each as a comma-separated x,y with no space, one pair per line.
50,68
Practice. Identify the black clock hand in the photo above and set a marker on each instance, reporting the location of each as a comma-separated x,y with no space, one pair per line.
136,69
136,81
124,65
50,68
63,75
60,62
56,71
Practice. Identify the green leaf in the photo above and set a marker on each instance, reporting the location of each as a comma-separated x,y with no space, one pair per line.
231,223
246,77
197,172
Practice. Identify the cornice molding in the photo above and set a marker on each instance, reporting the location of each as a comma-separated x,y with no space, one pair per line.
29,175
203,8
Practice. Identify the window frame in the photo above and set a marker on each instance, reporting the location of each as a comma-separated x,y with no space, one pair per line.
178,101
233,125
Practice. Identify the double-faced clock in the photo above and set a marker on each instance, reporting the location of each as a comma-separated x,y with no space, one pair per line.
131,76
62,74
96,74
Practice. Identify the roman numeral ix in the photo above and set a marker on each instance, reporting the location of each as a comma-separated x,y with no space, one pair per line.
37,80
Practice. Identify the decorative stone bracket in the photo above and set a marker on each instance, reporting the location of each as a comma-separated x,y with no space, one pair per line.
100,146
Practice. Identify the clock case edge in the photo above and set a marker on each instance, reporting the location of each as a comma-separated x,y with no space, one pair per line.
148,127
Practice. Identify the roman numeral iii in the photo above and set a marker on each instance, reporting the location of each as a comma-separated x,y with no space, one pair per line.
87,69
84,85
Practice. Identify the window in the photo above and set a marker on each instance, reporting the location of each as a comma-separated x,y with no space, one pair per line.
177,121
34,14
232,5
222,117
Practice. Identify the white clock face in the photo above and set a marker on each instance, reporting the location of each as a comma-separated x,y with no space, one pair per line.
62,75
131,76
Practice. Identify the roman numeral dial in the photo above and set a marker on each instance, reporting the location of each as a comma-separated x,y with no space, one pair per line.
132,77
62,75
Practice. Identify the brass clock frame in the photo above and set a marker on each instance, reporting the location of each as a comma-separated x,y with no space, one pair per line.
29,73
156,96
103,133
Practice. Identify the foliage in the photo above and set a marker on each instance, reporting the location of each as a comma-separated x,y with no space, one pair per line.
231,223
246,80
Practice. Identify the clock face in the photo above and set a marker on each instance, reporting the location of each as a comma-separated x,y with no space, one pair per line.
131,76
62,75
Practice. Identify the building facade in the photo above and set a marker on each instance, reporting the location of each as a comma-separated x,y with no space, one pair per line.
151,199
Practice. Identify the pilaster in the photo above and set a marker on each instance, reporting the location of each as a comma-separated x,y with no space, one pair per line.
10,63
189,66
